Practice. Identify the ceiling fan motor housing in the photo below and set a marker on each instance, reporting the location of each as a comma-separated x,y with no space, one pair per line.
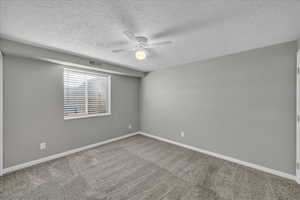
141,39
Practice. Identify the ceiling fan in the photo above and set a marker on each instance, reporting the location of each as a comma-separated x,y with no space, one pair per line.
141,45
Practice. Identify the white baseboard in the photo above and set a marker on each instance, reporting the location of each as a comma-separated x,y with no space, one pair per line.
234,160
63,154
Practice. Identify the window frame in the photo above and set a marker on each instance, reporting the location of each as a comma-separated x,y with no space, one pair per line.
108,94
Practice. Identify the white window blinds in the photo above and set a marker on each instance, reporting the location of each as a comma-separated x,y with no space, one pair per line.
85,94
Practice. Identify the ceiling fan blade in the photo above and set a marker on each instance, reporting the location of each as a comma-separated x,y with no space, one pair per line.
119,50
130,35
122,50
159,43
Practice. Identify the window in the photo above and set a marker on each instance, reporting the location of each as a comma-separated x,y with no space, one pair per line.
86,94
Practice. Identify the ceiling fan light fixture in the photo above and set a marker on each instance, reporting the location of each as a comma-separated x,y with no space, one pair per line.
140,54
140,50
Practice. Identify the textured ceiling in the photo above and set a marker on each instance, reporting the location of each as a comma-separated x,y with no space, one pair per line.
199,29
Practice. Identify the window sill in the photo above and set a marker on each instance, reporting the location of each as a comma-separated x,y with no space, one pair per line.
88,116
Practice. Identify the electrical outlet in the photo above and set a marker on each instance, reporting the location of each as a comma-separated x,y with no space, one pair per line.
43,146
129,126
182,134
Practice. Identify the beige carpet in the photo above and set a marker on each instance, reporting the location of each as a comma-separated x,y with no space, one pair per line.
141,168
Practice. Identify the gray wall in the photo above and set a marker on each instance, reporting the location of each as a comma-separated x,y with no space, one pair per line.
33,111
242,105
59,56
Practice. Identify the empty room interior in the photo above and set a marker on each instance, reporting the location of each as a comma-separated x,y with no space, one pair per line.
149,100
